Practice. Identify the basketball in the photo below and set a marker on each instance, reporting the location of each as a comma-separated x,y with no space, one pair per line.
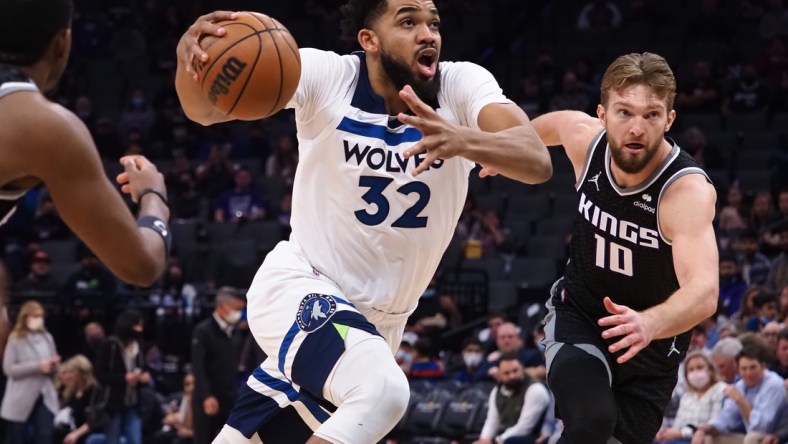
253,70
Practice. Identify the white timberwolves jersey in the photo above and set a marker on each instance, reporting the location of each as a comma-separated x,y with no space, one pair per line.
359,215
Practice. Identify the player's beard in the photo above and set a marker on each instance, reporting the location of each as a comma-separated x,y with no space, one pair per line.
400,75
633,163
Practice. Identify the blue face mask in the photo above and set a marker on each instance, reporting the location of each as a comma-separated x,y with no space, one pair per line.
403,356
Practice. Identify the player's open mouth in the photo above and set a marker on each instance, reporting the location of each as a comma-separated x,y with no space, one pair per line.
634,146
428,62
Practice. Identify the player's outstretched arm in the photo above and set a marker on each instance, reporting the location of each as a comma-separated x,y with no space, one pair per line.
686,211
574,130
193,101
506,143
66,160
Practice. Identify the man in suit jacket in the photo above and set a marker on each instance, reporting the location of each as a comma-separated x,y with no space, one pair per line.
216,346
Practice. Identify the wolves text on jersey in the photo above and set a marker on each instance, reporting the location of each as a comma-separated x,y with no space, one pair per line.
622,229
378,158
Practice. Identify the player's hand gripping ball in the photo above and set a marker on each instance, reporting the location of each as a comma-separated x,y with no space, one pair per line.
252,70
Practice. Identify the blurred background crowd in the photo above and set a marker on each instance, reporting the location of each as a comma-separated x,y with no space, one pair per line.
229,188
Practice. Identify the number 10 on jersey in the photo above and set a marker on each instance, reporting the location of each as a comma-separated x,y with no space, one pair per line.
613,256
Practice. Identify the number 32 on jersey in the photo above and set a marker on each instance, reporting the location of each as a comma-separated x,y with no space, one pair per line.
374,196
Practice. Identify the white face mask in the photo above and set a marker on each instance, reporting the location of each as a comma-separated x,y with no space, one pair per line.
472,359
35,324
698,379
233,317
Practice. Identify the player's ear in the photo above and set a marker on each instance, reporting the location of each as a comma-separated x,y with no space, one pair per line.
369,41
600,112
61,43
671,118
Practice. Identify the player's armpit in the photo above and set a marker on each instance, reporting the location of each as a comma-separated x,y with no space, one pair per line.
66,160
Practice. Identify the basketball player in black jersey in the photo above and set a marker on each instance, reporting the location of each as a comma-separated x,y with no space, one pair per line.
643,259
43,142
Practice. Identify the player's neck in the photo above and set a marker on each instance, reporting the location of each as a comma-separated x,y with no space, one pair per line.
627,180
38,73
383,87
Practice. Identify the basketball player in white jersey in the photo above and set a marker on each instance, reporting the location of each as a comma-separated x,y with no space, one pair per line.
387,138
43,142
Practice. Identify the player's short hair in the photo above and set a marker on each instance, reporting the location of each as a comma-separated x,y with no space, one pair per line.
358,15
27,28
647,69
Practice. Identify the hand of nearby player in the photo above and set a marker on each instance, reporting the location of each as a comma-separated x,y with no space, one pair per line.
139,175
189,45
441,139
636,329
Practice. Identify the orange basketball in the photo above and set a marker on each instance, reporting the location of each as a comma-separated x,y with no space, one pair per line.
253,69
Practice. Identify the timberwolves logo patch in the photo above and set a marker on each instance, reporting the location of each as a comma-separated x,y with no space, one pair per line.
314,311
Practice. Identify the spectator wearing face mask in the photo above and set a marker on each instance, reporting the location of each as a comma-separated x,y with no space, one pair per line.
29,361
752,405
216,350
472,357
701,401
405,352
120,369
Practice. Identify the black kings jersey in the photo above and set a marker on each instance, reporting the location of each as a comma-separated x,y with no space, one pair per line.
11,81
618,250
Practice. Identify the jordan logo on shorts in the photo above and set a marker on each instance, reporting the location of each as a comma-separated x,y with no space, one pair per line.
595,180
673,348
314,311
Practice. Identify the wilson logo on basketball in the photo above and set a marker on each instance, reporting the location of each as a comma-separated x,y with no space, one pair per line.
231,70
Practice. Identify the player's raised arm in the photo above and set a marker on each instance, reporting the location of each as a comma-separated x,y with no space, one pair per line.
686,212
194,103
505,143
508,144
574,130
66,160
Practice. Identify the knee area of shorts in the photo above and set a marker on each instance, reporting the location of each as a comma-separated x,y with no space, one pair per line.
369,377
593,426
